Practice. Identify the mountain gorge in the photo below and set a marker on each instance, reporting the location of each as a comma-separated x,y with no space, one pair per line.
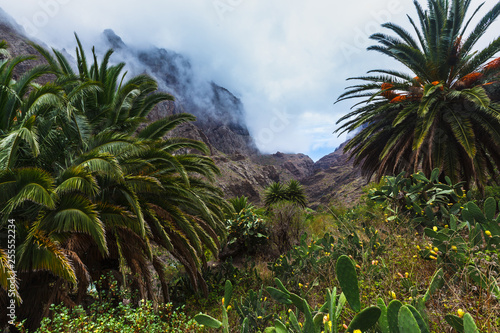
220,124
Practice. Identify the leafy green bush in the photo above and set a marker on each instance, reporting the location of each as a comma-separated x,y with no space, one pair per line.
471,242
111,309
424,201
247,232
287,223
121,319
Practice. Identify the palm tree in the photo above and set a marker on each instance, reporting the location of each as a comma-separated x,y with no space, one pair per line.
293,192
240,203
440,113
90,192
163,187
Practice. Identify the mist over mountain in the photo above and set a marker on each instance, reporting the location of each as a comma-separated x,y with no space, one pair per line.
218,111
220,122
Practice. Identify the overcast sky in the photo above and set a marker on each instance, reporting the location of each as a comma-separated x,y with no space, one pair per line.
286,59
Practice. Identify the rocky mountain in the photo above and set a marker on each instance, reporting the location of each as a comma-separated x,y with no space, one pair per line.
218,111
19,45
334,180
220,124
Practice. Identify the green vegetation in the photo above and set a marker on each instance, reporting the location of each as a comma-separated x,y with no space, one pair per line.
104,315
246,231
91,191
292,192
444,112
120,228
388,290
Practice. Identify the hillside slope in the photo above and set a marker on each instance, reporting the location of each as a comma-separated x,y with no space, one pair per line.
220,124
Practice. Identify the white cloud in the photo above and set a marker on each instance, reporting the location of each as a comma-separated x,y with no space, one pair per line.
278,56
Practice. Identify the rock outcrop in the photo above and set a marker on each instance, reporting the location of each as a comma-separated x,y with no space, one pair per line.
335,180
18,44
220,124
220,114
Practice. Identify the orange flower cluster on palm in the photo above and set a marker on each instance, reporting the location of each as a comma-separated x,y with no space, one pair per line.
471,78
398,99
418,80
492,65
389,94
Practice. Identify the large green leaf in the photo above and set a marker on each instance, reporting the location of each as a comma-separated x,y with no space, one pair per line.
207,320
348,280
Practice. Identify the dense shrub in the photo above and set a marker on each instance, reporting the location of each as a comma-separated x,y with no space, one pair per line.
425,201
247,232
111,309
286,223
121,319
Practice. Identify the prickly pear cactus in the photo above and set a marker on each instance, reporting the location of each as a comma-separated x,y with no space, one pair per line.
469,324
406,321
383,322
392,315
348,279
365,319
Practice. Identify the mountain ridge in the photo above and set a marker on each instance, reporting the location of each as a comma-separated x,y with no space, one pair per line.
220,124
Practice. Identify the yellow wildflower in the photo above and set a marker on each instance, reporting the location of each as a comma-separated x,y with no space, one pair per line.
487,233
460,313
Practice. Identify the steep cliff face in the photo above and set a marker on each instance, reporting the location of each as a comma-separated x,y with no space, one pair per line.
335,180
220,114
18,44
220,124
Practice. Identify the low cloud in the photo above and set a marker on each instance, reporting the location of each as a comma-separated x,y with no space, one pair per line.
280,57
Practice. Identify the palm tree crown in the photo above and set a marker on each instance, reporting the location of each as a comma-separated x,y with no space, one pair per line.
92,192
441,115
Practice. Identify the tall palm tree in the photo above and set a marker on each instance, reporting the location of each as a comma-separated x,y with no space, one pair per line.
166,186
6,270
90,192
439,113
